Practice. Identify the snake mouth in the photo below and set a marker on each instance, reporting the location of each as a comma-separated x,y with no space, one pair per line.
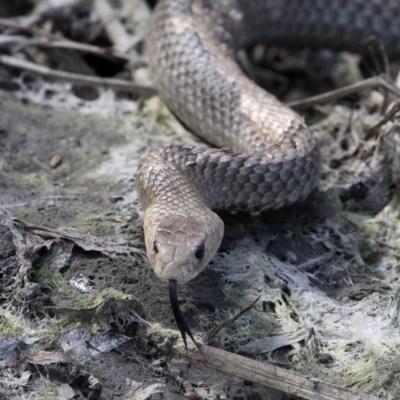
180,321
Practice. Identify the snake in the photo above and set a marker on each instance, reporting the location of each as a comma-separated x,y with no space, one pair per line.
264,157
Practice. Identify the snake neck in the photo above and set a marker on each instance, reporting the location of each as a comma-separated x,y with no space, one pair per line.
223,180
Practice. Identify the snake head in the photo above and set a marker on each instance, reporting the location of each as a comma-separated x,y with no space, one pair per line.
180,247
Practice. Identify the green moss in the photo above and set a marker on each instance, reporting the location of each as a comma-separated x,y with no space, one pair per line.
43,274
7,327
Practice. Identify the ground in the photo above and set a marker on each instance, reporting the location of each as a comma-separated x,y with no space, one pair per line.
82,314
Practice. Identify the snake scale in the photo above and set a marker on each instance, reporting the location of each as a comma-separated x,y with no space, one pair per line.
268,158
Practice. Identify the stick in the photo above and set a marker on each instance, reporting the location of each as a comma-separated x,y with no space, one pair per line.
272,376
117,84
345,91
23,41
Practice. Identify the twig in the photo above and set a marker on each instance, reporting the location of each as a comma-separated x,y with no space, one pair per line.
373,131
273,376
21,24
117,84
115,30
345,91
230,322
63,44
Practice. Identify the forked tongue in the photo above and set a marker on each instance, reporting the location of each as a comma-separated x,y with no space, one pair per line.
180,321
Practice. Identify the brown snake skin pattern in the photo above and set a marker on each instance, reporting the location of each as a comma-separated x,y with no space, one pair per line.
269,158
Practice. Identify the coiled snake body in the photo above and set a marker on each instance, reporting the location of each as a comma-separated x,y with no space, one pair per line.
269,158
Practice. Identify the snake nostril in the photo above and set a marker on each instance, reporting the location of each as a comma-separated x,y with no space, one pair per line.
200,251
155,247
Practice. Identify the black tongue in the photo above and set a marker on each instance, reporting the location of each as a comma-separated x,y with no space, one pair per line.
182,324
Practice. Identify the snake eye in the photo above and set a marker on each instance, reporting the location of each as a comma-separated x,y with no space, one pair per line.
200,251
155,247
359,191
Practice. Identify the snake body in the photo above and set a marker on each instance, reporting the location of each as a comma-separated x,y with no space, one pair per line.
269,159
